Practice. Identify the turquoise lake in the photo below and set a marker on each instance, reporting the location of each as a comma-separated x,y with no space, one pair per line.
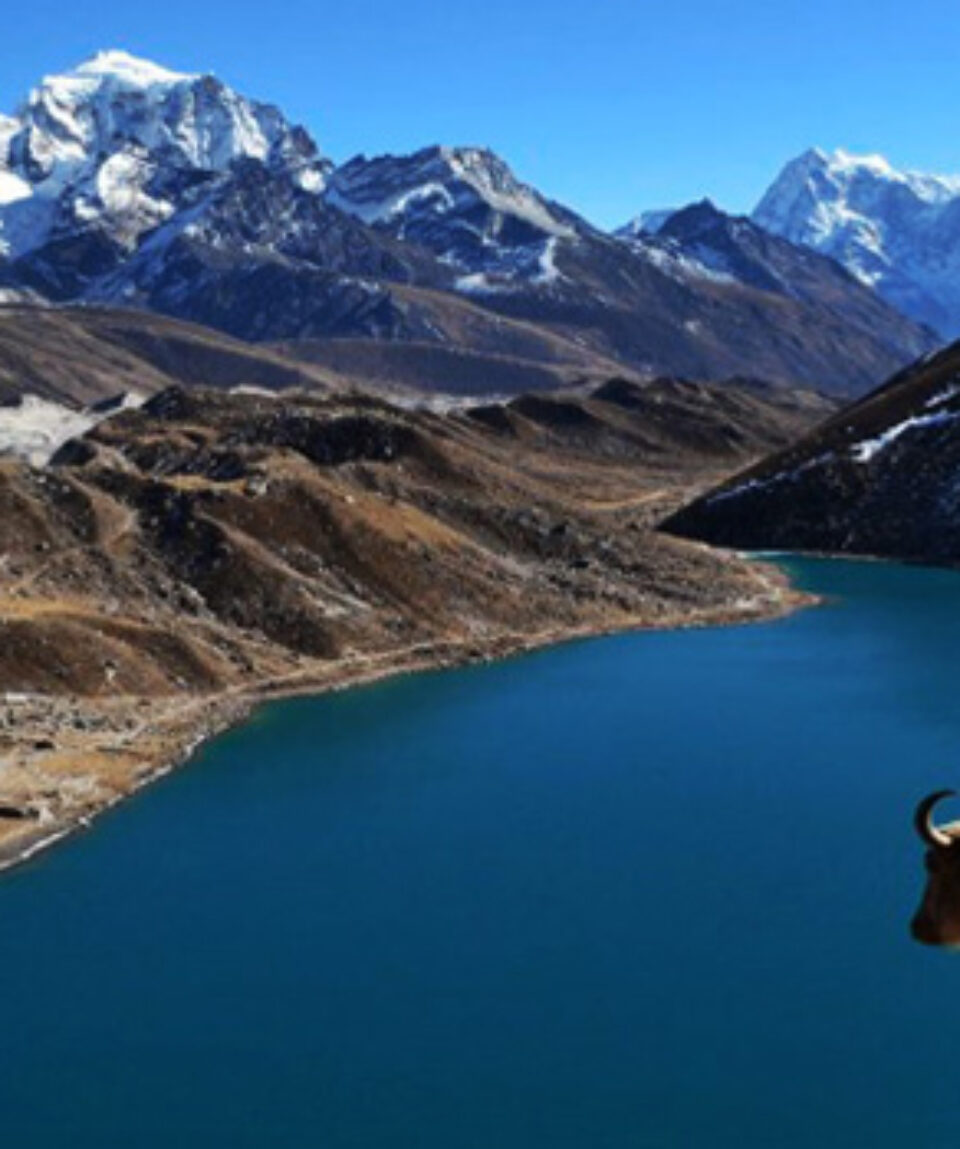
651,890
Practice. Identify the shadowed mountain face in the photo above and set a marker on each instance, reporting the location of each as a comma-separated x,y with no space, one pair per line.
81,356
124,183
737,248
881,478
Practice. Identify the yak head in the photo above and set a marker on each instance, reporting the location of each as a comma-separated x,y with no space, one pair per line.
937,921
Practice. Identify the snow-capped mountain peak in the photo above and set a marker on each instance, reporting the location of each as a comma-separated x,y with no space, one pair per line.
123,67
120,141
898,231
444,181
495,183
466,206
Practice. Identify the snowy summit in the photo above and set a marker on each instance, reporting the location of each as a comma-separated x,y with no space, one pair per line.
898,231
118,142
118,65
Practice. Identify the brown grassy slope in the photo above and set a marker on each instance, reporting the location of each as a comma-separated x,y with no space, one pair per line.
210,549
212,539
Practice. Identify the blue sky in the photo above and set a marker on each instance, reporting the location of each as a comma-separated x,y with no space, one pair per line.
611,106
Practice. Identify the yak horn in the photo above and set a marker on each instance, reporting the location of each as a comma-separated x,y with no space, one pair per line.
923,820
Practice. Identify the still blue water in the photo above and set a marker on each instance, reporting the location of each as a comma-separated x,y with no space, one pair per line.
651,890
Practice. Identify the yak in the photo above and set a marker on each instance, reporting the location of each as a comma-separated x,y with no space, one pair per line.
937,921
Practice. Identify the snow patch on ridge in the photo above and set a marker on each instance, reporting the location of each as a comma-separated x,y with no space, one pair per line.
668,258
433,195
549,272
868,449
780,477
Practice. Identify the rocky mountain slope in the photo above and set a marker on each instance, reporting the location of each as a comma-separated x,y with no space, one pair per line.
81,356
811,304
898,232
186,557
466,206
881,478
633,299
124,183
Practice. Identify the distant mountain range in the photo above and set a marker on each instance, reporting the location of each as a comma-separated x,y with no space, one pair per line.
124,183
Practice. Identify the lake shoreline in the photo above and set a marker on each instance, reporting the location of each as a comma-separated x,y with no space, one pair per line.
187,724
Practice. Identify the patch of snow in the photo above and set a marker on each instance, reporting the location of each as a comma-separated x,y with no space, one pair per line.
311,179
432,194
868,450
646,223
12,187
549,272
480,284
22,295
37,428
943,396
679,265
120,185
254,390
780,477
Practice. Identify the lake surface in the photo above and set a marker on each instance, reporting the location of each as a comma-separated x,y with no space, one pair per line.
651,890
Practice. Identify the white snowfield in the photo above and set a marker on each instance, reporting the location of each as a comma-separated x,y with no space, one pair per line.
897,231
37,428
779,477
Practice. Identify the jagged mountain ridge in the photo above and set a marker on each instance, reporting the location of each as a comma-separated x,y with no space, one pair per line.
898,232
465,205
713,243
124,183
878,479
